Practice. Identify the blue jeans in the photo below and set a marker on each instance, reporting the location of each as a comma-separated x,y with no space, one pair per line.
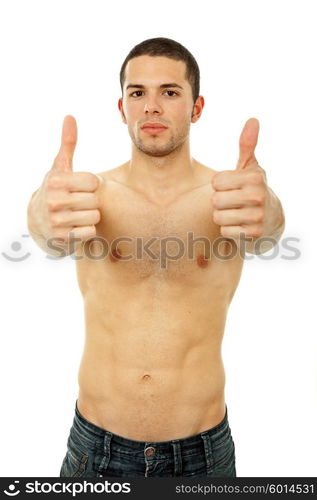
96,452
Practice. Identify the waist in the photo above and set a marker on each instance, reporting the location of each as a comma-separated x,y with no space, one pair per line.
89,431
152,403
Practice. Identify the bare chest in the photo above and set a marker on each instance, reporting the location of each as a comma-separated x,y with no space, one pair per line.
137,238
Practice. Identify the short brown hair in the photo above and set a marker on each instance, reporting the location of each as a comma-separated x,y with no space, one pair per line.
168,48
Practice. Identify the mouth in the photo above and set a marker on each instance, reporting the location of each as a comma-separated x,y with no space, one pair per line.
153,130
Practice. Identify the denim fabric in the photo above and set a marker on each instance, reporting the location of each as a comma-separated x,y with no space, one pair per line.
96,452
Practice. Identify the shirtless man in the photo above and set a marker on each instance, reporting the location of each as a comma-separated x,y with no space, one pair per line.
159,254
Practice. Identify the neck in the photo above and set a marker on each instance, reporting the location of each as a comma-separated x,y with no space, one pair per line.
161,175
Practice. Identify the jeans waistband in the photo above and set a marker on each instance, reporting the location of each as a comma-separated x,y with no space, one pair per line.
161,446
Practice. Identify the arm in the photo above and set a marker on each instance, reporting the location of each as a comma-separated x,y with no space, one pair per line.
63,212
245,207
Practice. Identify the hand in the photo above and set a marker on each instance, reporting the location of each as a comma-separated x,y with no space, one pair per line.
241,197
66,201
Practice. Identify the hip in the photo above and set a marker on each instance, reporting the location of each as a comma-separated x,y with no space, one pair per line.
95,452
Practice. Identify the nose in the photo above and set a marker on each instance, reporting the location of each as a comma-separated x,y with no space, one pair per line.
152,106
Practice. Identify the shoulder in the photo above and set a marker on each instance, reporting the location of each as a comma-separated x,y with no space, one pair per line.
204,173
115,174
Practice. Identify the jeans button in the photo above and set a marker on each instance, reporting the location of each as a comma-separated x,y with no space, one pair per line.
149,452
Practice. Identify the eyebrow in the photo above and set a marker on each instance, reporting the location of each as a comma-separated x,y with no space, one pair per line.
163,86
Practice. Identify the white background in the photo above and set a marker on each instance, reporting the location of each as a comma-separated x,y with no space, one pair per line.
257,58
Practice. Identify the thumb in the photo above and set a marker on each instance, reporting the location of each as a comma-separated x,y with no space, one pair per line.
247,143
64,158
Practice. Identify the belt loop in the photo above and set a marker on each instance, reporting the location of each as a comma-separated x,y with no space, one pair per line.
177,457
106,448
208,449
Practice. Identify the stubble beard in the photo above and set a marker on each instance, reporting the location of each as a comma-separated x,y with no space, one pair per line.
156,147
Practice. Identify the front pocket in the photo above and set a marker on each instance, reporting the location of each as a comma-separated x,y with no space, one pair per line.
223,462
74,463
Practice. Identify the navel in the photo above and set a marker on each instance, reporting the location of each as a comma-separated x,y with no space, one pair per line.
202,261
146,377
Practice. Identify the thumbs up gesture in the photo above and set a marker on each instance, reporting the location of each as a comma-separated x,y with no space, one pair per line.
241,198
67,202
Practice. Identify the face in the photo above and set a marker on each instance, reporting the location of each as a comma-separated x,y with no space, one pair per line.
155,90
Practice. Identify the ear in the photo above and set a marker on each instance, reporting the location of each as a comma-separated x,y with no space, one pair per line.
120,106
198,108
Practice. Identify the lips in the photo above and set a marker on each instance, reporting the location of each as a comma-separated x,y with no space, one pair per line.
153,128
153,125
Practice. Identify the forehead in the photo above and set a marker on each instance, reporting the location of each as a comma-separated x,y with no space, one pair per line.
150,70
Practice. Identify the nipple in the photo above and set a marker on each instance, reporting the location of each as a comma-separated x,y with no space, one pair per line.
202,261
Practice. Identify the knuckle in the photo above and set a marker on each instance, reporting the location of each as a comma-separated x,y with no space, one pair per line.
92,231
93,181
216,216
55,220
256,232
53,205
97,216
255,177
215,180
259,199
225,232
71,233
89,233
257,217
58,234
55,181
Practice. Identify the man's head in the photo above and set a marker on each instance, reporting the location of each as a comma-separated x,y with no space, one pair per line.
160,83
167,48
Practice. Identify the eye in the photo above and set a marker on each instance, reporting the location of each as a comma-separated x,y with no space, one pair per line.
173,91
138,93
135,93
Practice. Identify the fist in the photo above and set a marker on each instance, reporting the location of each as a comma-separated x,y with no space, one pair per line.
241,197
67,203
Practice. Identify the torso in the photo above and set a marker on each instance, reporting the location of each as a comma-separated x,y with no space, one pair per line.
152,368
